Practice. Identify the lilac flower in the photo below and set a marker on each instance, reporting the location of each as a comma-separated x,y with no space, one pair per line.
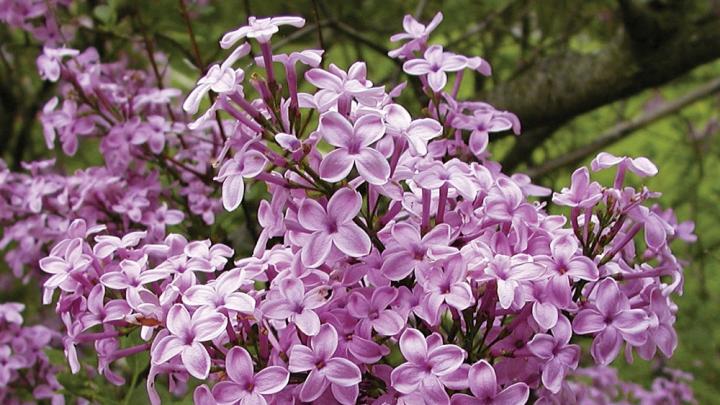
219,78
582,193
415,33
66,259
435,64
325,368
425,366
259,28
100,312
613,321
353,148
640,166
483,122
337,85
294,304
452,173
48,63
509,272
661,333
333,226
107,245
222,294
417,132
373,313
505,201
11,312
66,123
245,386
131,276
410,250
558,355
248,163
483,385
565,266
186,336
447,286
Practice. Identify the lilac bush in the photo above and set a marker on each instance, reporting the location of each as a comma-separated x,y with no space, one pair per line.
397,263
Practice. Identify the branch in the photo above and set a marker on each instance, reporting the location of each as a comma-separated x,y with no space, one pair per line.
621,130
563,86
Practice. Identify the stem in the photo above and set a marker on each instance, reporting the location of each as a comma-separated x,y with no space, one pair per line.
426,201
441,204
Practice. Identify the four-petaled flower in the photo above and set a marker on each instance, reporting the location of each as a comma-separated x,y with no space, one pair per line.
435,64
613,321
417,132
259,28
246,387
296,305
353,148
483,385
325,368
185,338
427,362
220,78
559,356
333,226
373,313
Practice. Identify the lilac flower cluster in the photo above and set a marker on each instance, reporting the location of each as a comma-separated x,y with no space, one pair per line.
25,370
396,262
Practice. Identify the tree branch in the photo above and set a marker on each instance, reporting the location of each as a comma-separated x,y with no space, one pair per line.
625,128
565,85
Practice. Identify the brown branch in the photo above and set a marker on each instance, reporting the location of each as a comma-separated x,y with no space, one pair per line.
562,86
623,129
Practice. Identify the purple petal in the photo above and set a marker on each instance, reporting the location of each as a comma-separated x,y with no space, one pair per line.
413,346
437,80
312,215
417,67
482,380
588,321
301,359
346,395
315,385
368,129
167,348
542,346
317,249
342,372
233,189
308,322
336,165
239,365
325,342
178,320
271,380
446,359
358,306
516,394
335,129
545,314
228,392
406,377
208,325
372,166
352,240
388,323
606,346
197,360
344,205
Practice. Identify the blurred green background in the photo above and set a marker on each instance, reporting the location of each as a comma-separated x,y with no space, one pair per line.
574,72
